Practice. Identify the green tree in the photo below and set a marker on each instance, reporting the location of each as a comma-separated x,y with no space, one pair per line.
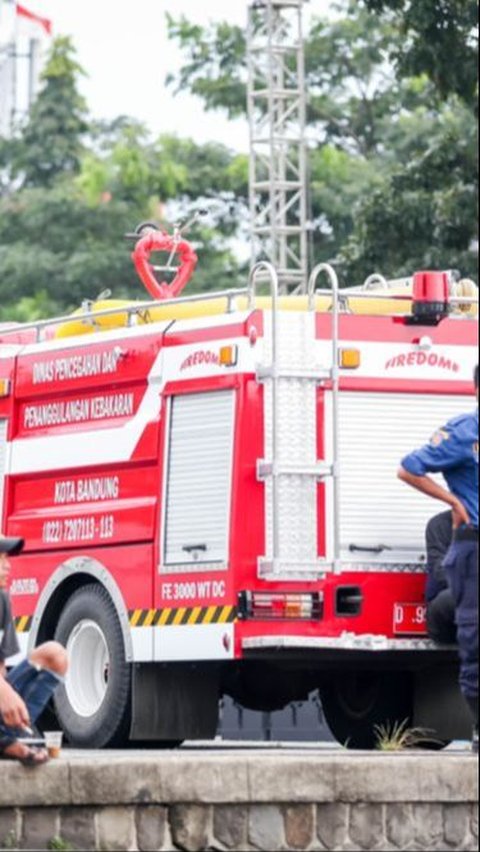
425,214
68,239
354,97
50,144
338,179
28,308
393,170
68,196
383,110
168,178
440,38
54,240
215,66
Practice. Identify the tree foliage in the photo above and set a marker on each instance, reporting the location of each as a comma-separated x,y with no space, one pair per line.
393,174
440,39
354,96
50,145
425,214
72,189
68,240
386,105
215,67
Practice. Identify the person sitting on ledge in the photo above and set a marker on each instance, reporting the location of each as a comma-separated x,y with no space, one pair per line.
26,689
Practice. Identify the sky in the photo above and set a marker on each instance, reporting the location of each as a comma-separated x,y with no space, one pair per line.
124,50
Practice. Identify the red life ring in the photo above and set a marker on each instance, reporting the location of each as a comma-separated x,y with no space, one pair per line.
159,241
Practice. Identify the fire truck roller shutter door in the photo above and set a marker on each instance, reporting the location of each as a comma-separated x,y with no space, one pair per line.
93,706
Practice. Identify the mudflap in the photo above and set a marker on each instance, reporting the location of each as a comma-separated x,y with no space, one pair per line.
439,704
174,701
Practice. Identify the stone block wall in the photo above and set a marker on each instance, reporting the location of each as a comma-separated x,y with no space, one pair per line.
241,801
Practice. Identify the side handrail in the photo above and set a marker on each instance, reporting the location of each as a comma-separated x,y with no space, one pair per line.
137,307
271,272
131,309
266,267
374,278
347,294
333,279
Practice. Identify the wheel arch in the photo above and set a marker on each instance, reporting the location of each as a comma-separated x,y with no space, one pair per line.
71,575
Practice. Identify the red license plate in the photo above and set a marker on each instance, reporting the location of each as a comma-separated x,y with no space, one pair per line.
409,618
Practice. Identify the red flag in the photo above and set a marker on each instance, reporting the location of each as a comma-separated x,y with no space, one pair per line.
34,20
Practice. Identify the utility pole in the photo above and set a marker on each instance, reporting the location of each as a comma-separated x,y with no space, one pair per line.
22,39
276,112
7,66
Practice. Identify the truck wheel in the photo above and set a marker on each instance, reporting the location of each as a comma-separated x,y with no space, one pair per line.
93,706
355,702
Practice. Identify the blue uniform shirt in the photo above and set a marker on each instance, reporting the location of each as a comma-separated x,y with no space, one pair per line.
452,451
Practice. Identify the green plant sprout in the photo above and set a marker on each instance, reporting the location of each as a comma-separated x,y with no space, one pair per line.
397,736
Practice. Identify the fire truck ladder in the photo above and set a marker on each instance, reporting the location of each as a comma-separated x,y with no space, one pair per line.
291,470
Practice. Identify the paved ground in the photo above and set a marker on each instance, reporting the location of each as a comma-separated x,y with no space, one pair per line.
241,747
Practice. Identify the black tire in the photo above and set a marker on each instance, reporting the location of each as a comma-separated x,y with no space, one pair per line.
434,744
354,703
102,718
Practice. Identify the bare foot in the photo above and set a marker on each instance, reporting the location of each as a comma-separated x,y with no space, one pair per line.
28,755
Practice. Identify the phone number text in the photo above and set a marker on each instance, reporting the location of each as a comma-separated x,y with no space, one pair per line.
78,529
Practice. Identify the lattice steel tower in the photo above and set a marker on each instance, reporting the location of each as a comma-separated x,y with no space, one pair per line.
276,111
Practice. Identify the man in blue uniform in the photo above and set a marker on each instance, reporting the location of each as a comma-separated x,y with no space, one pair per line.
453,451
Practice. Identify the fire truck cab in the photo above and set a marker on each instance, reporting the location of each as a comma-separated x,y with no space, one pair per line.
207,489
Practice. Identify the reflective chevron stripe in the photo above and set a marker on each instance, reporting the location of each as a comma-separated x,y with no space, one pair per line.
182,615
162,617
23,623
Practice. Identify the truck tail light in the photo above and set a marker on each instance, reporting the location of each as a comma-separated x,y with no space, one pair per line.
268,606
4,387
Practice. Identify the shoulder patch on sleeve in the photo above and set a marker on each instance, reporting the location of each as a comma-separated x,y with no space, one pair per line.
439,437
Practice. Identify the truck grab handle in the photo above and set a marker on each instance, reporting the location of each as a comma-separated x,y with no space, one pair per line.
374,548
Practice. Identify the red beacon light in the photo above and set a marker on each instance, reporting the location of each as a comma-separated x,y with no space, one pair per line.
430,297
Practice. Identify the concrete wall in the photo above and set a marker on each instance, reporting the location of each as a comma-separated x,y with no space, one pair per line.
231,799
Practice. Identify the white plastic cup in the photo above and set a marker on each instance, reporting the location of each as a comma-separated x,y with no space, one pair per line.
53,742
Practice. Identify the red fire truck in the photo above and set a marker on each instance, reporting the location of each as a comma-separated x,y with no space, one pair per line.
207,488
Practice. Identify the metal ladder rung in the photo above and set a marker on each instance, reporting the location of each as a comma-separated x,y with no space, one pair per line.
270,372
293,276
286,185
321,470
281,229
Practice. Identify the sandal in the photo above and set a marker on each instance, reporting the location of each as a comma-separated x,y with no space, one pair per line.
25,754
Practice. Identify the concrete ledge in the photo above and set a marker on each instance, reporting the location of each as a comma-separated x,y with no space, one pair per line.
113,778
265,799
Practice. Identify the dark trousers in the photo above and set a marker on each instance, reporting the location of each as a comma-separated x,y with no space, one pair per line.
441,618
36,688
461,567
